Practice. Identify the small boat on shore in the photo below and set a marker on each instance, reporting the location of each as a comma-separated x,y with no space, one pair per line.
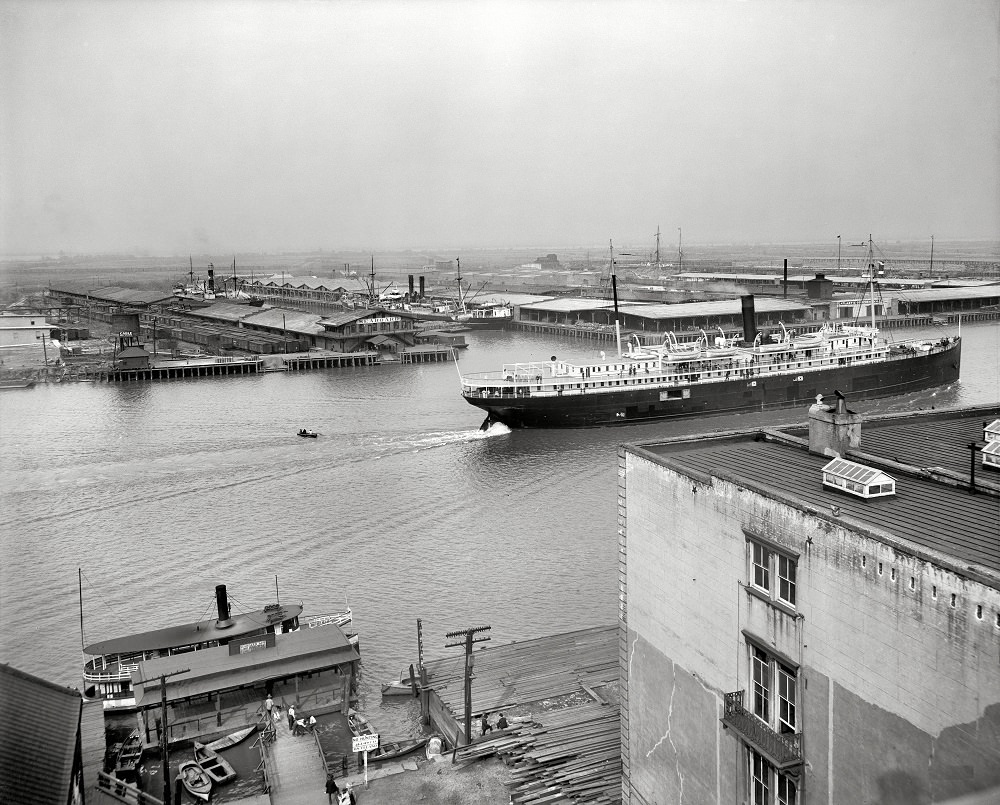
307,434
387,749
10,385
401,687
231,740
195,780
128,756
213,764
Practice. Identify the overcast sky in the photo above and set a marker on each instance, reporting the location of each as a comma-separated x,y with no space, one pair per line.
232,126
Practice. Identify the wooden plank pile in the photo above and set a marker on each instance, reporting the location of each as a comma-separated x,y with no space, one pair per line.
531,671
570,755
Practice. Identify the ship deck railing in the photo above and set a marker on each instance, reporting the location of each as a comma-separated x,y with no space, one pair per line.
559,378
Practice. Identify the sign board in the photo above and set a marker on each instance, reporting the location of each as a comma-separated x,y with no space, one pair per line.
364,743
245,645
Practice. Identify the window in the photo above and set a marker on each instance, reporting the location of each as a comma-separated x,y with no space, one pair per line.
772,572
761,566
773,690
767,785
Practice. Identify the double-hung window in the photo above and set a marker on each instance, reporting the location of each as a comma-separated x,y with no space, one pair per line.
772,571
773,690
767,785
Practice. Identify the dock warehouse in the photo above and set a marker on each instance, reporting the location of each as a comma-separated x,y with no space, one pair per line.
225,686
662,318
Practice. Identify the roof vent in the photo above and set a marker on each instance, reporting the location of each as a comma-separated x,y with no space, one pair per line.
858,480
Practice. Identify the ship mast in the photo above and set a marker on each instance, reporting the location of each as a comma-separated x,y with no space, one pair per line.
614,293
657,245
461,298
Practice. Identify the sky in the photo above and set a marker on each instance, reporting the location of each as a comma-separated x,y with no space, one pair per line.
234,126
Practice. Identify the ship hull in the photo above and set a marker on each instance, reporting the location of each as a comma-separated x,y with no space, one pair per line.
655,402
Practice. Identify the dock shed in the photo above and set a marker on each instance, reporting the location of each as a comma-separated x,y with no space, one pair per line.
225,685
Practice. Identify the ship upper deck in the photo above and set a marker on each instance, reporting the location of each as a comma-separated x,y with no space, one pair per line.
206,631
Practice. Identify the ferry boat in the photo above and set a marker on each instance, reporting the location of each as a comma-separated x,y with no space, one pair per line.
491,317
643,384
109,664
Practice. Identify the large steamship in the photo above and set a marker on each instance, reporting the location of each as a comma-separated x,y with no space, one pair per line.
722,375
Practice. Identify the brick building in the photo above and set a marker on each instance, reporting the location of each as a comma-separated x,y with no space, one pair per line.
791,636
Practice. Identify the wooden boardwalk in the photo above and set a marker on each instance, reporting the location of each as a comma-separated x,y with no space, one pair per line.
296,771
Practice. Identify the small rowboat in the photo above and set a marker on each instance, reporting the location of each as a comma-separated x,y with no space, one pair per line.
401,687
213,764
387,749
198,784
231,740
308,434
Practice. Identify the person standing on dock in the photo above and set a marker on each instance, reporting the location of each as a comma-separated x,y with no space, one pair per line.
291,716
269,706
485,725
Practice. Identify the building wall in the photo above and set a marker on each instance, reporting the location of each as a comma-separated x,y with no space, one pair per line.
16,331
899,691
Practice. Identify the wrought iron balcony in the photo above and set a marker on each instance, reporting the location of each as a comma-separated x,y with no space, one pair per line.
783,750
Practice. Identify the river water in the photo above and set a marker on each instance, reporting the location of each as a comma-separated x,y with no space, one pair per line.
402,506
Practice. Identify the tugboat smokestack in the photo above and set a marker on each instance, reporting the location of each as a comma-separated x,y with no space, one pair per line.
222,602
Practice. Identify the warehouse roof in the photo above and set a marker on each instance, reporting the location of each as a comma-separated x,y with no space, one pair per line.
928,509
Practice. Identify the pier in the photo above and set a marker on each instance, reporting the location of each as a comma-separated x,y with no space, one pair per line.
193,367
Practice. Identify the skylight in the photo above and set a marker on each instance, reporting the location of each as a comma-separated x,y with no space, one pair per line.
857,479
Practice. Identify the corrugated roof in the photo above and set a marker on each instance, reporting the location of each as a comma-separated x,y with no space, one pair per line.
937,294
723,307
39,725
930,440
928,513
223,311
293,321
113,293
570,305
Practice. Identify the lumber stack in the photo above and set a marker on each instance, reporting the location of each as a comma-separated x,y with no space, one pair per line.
530,671
571,755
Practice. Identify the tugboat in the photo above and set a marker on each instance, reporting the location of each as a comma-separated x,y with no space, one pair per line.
644,384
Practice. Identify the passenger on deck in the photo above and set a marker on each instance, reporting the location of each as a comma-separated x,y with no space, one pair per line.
485,724
502,722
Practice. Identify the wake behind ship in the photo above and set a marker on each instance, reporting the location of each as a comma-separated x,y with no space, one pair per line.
673,380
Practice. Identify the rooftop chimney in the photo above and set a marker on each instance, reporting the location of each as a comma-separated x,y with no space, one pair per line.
222,602
833,430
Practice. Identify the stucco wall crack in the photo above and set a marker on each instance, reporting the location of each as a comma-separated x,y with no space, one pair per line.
668,737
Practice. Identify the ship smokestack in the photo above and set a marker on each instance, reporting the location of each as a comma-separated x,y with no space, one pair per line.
749,319
222,602
410,279
421,286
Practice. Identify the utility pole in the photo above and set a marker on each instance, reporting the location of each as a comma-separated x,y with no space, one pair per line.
680,250
164,740
657,245
468,637
932,257
838,253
